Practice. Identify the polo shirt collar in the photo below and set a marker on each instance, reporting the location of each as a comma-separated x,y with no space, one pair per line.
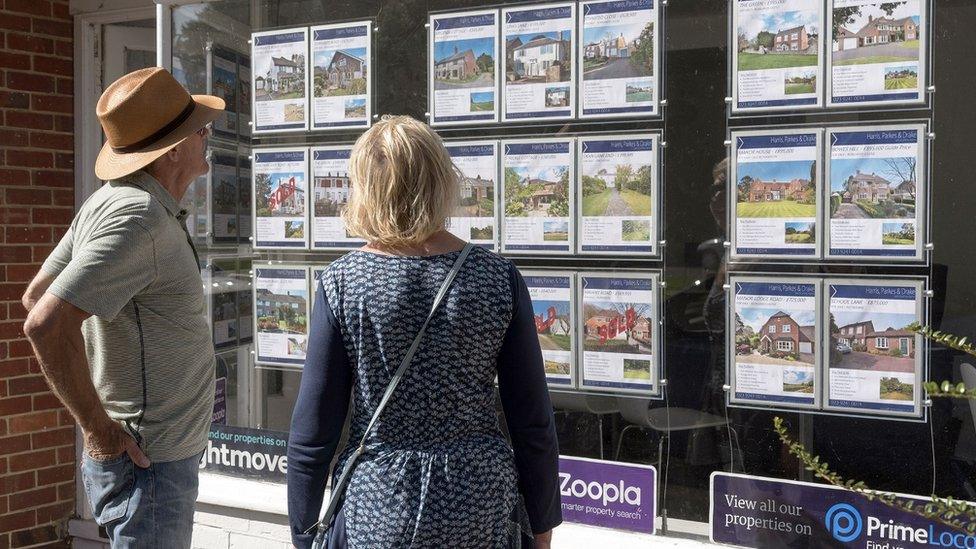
148,183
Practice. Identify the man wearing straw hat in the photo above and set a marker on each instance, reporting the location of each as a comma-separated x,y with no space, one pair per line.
117,315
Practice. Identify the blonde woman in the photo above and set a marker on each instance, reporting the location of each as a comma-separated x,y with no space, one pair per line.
437,470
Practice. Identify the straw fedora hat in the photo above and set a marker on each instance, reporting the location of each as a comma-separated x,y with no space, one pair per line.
145,114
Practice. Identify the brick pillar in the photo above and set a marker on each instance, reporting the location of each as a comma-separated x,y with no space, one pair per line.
37,453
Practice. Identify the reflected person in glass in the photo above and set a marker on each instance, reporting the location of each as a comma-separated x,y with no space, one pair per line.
437,470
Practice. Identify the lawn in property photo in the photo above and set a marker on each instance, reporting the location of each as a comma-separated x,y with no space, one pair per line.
637,369
894,389
800,238
556,367
595,205
901,83
635,230
758,61
798,387
781,208
555,236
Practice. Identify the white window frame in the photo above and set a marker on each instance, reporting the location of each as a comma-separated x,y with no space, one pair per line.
772,329
881,342
784,345
787,328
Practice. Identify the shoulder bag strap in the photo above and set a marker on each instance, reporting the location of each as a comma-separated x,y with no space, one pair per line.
338,490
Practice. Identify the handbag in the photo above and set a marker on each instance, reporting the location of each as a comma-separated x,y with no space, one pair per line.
340,485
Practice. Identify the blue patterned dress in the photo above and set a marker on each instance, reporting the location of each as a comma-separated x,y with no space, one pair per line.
437,471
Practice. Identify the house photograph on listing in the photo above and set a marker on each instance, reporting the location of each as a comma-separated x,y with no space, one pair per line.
538,58
331,193
873,188
776,337
340,72
281,78
779,40
877,342
776,189
885,32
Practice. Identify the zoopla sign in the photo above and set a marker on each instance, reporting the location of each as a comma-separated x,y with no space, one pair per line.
762,512
607,493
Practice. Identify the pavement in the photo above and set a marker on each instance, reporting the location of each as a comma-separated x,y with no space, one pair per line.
618,68
866,361
893,49
849,211
617,206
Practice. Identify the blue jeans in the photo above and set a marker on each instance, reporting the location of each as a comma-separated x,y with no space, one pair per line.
143,507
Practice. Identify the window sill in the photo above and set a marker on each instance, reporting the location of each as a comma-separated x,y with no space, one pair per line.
240,493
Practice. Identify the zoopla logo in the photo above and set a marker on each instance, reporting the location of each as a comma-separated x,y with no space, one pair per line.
844,522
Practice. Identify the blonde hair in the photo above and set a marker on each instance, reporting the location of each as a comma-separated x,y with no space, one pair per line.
404,185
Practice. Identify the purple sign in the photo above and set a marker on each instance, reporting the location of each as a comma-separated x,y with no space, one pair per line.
220,401
608,493
764,512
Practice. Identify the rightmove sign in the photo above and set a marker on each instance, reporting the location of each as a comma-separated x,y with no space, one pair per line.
759,512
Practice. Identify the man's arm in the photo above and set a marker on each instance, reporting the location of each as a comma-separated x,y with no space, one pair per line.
53,327
42,281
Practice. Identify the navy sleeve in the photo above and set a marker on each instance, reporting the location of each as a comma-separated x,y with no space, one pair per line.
528,413
316,424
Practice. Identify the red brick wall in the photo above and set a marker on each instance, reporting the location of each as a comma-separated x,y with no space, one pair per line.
37,453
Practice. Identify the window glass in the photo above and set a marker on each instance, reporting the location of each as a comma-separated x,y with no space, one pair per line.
887,453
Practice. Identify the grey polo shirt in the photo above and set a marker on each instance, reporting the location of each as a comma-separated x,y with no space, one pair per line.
127,260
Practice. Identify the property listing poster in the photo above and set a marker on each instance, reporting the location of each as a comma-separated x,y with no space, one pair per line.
877,192
244,96
775,184
196,204
618,194
224,191
619,58
878,52
245,302
280,83
475,217
341,65
540,82
618,326
224,311
281,310
463,67
775,341
539,209
777,61
552,304
223,84
244,202
280,182
874,364
331,188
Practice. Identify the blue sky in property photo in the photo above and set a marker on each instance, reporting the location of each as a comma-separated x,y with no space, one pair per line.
881,321
841,169
278,178
482,97
324,57
547,173
898,68
529,36
753,22
793,377
800,226
756,317
555,226
786,170
541,306
353,103
904,9
630,32
897,227
477,46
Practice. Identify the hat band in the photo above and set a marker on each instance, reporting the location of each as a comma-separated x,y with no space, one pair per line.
160,133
